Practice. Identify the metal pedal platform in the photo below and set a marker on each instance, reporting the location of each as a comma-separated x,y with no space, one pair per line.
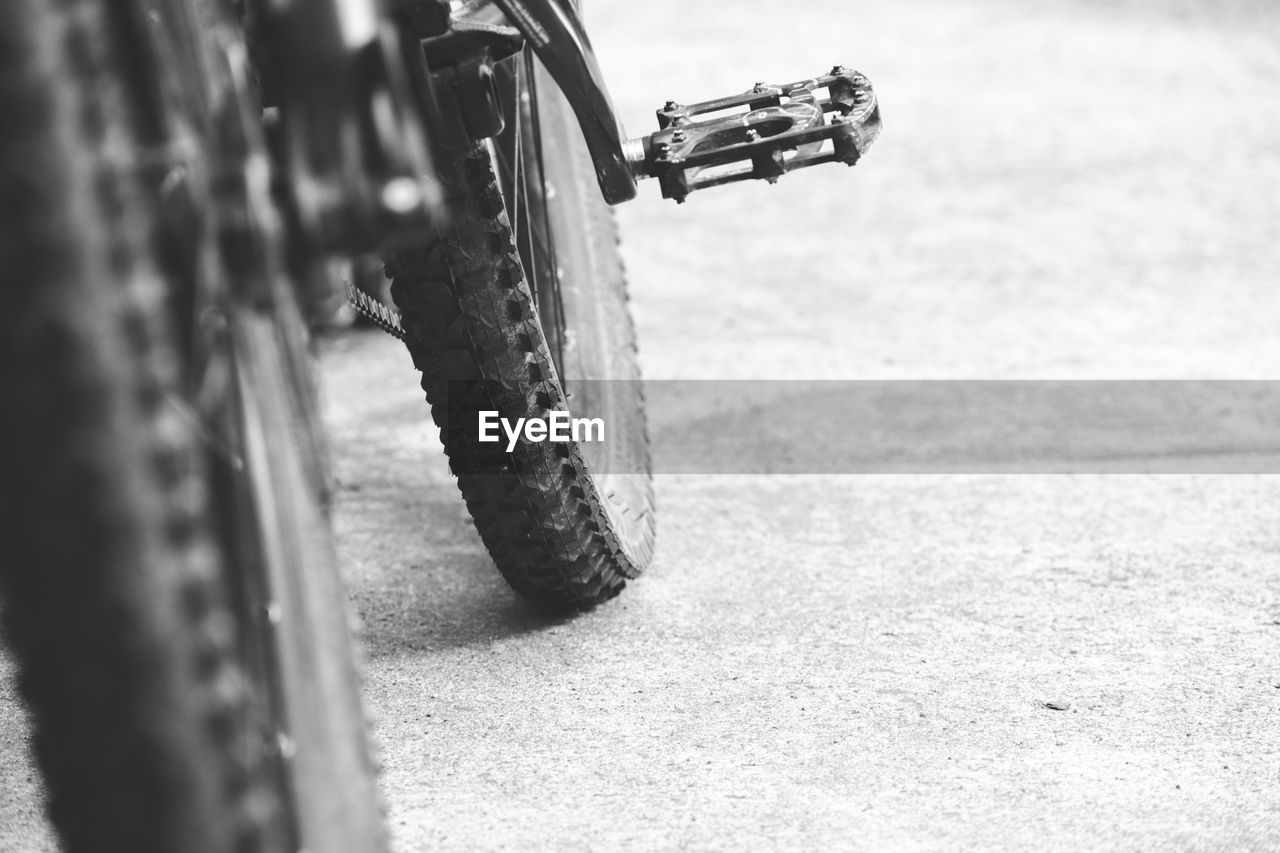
763,133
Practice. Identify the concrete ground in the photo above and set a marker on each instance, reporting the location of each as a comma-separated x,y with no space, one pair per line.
1074,189
1067,190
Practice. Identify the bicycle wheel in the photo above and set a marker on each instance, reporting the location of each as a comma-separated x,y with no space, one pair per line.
156,652
296,642
566,523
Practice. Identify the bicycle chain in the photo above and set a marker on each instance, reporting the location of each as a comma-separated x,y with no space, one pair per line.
386,319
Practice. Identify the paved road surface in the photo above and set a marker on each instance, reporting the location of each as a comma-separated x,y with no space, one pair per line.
1074,190
1068,189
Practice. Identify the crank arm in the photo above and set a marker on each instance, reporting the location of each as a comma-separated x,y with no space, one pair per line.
763,133
554,29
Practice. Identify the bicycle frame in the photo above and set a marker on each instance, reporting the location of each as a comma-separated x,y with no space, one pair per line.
555,32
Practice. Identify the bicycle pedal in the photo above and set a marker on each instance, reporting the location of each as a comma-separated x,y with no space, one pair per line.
763,133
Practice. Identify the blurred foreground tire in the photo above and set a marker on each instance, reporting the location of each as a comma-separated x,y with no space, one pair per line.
168,585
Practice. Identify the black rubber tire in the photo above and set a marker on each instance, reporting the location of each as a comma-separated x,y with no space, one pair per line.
154,667
571,252
110,578
559,532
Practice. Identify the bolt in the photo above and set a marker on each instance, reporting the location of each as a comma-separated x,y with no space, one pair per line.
670,106
752,134
837,70
759,87
677,136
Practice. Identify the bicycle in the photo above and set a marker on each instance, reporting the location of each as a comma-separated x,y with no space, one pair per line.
518,307
175,174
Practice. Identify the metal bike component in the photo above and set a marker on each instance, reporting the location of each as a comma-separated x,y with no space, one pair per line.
478,98
353,148
763,133
782,128
554,30
458,66
477,30
386,319
424,18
